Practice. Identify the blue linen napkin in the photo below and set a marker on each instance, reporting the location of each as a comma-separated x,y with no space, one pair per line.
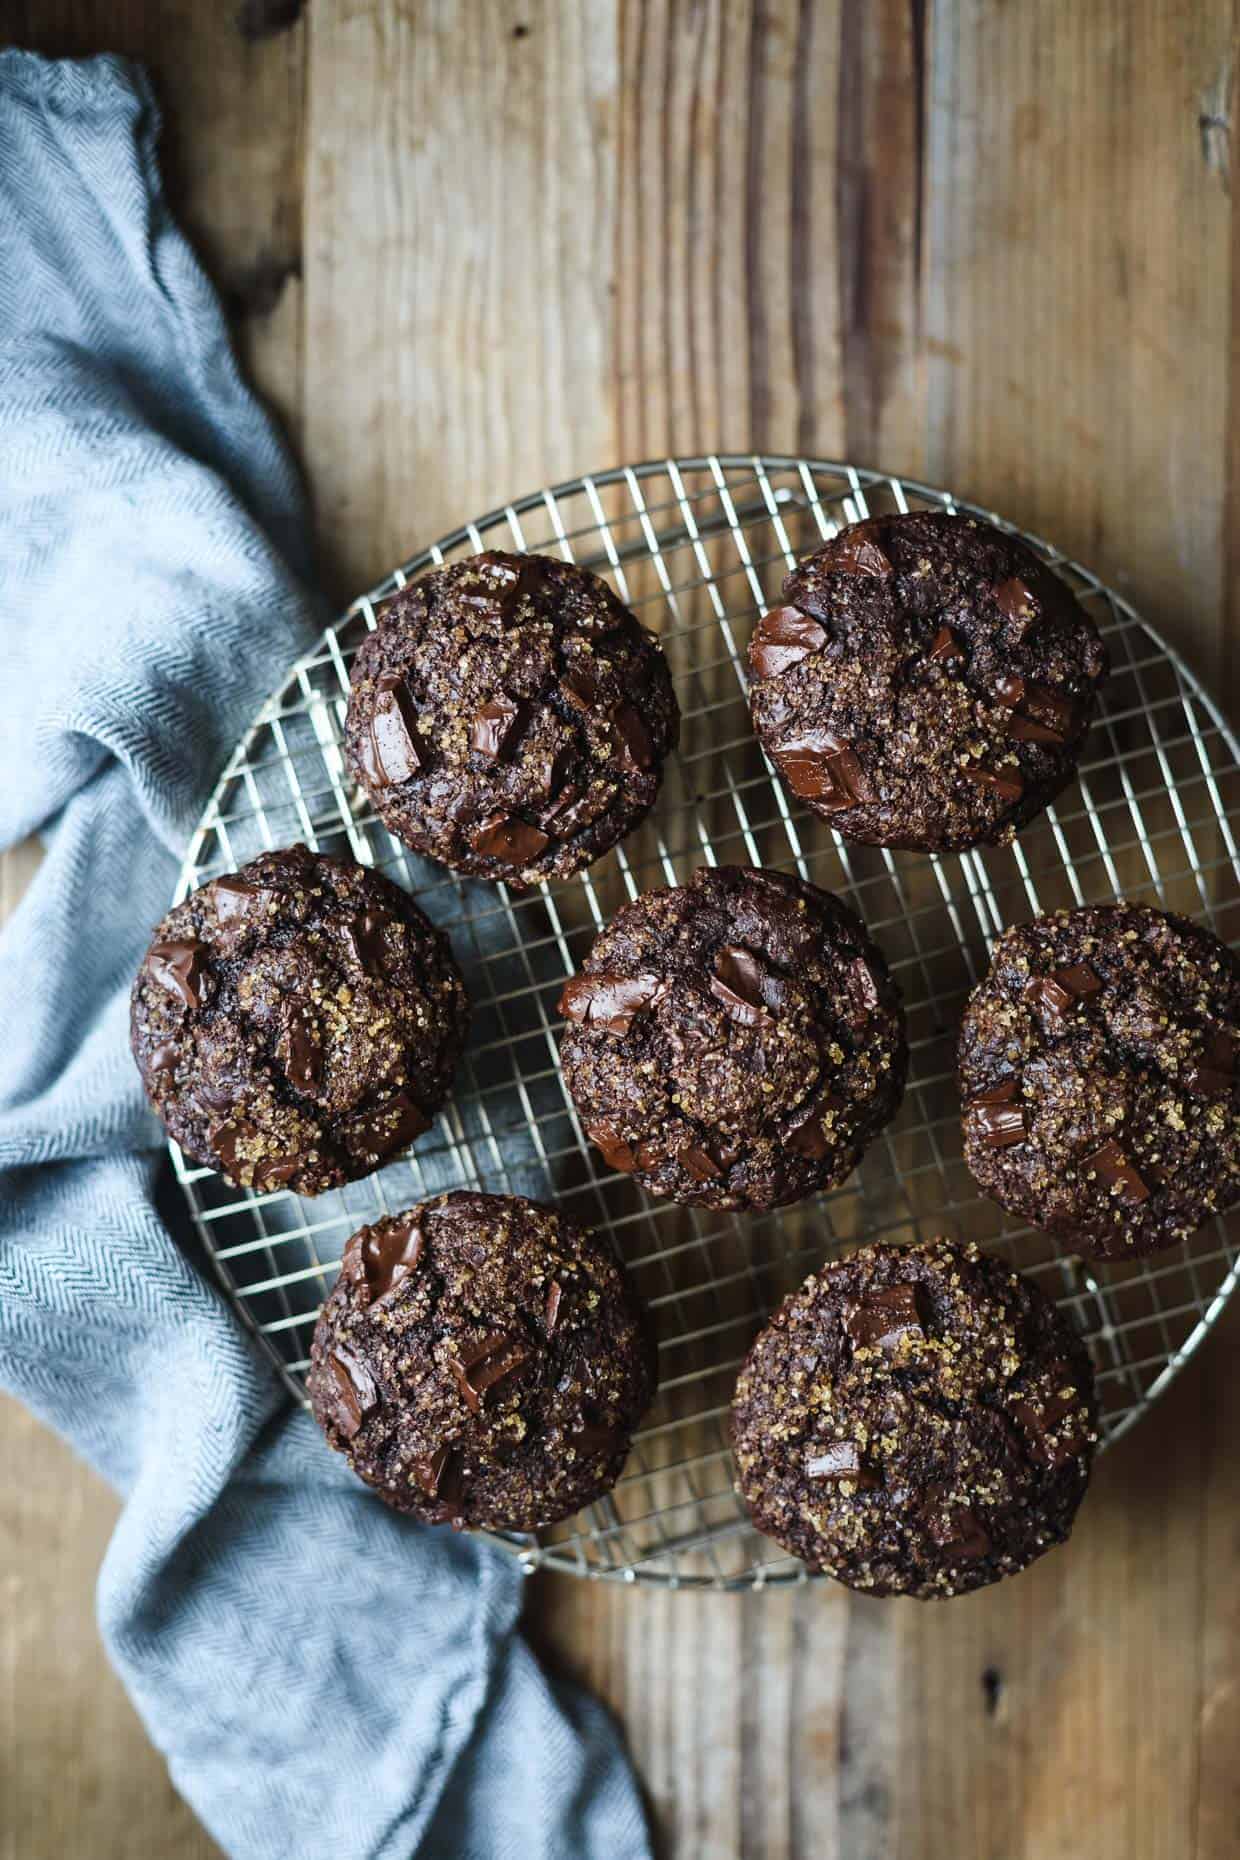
322,1677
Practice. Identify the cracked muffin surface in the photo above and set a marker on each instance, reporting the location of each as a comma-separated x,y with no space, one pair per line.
915,1421
297,1023
734,1042
509,717
482,1360
1099,1079
927,683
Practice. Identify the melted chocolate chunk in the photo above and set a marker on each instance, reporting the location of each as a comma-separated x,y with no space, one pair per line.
505,837
551,1309
388,1256
1038,1419
1013,599
636,749
807,1136
275,1172
1063,989
996,1118
478,1366
783,637
841,1459
818,766
959,1531
945,647
610,1002
497,726
178,967
590,1439
298,1048
386,1127
398,751
1215,1072
1117,1174
367,945
164,1057
356,1394
856,553
615,1151
698,1162
737,983
883,1317
236,900
1008,784
579,687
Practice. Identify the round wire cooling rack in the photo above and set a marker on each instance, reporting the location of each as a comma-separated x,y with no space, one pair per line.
699,546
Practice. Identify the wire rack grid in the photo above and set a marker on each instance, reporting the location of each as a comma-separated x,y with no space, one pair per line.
698,547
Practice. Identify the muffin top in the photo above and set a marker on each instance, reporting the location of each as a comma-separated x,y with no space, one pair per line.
483,1361
927,684
734,1042
509,717
915,1421
1099,1077
297,1022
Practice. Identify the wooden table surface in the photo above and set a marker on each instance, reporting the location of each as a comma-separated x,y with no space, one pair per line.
470,249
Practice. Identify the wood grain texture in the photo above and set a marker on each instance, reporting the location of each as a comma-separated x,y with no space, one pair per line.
474,248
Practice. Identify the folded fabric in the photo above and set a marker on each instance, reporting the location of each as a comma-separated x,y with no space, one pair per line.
323,1677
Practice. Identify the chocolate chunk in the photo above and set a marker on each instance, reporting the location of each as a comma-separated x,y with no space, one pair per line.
549,772
579,686
1008,784
429,1473
862,987
1041,714
551,1310
504,836
820,767
399,752
178,967
236,899
497,725
505,581
636,749
388,1256
478,1366
608,1001
698,1162
367,945
840,1460
995,1117
1013,599
807,1136
224,1139
883,1317
945,647
386,1127
275,1172
737,983
1117,1174
298,1048
440,1477
1215,1072
164,1056
855,553
615,1151
1062,989
354,1391
1038,1419
958,1530
783,637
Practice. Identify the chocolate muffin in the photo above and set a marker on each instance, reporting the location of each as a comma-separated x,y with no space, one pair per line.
296,1023
482,1361
735,1042
1099,1078
928,683
915,1421
509,717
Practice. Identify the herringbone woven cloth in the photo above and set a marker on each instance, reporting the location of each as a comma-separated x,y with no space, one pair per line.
323,1678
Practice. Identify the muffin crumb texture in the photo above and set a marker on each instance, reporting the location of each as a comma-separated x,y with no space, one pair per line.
509,717
297,1023
1099,1078
482,1361
928,682
915,1421
734,1042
